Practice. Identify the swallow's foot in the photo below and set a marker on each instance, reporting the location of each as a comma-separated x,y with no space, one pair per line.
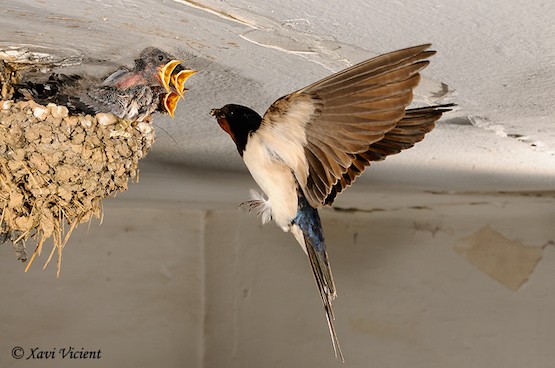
260,205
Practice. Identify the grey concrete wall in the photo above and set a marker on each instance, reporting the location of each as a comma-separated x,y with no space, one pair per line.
424,280
132,287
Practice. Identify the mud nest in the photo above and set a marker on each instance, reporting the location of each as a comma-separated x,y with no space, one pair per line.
56,168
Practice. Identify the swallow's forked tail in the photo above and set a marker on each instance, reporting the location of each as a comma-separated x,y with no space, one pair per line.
308,231
323,277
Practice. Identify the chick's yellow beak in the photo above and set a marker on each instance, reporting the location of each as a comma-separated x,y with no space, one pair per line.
166,73
170,102
179,79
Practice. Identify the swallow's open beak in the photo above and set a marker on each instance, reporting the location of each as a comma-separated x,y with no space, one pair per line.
179,79
166,73
170,102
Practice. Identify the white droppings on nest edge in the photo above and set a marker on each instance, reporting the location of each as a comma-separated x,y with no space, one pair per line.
56,168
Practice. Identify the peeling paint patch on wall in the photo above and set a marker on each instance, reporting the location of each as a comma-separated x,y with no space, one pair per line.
507,261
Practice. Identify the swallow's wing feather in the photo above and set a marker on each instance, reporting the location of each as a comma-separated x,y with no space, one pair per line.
105,98
408,131
340,117
111,79
58,88
132,103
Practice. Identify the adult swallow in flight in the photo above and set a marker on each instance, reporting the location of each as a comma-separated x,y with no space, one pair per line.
155,83
313,143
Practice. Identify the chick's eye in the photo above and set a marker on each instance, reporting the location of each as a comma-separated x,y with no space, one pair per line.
160,57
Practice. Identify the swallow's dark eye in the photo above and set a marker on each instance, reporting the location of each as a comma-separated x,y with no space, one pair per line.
160,57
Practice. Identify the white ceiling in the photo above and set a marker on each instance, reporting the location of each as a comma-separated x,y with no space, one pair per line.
496,60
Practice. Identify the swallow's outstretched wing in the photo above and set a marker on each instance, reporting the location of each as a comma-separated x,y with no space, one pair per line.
348,119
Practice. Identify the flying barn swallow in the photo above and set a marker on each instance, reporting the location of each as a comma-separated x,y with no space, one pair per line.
155,83
313,143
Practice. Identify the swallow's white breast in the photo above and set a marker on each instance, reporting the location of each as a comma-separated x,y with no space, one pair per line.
275,156
275,178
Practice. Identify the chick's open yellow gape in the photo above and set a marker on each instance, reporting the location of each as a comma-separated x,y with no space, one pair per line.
166,72
170,102
179,79
174,84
